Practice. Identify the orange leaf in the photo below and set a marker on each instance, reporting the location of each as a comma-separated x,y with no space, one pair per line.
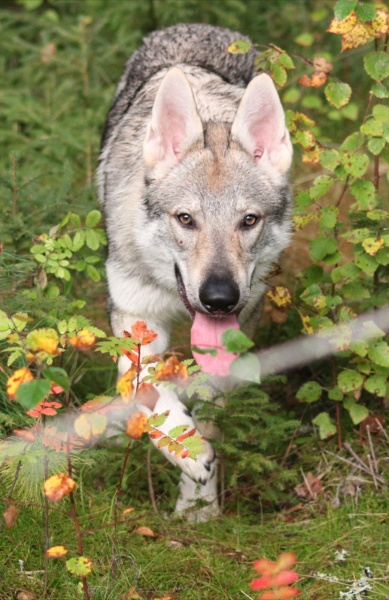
172,370
265,566
318,79
58,486
147,395
10,515
278,580
146,531
44,408
83,340
128,510
20,376
285,561
25,434
305,80
125,386
186,434
56,552
141,334
136,425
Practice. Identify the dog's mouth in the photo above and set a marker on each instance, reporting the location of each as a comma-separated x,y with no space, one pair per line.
206,335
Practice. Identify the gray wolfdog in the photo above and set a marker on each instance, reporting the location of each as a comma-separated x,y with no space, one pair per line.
193,178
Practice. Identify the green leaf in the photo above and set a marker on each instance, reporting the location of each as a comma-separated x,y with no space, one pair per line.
330,159
305,39
211,351
58,376
376,145
350,381
378,353
376,385
302,200
358,412
246,367
343,8
321,247
32,392
381,112
335,394
326,427
379,90
93,273
78,240
364,192
372,127
176,431
239,47
92,239
313,296
93,218
353,142
367,263
278,74
329,216
355,164
338,94
377,65
365,12
235,340
309,392
345,273
320,186
79,565
158,420
286,61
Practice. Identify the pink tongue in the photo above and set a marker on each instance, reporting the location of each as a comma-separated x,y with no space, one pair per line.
206,334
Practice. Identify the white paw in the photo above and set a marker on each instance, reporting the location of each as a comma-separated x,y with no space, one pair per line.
197,502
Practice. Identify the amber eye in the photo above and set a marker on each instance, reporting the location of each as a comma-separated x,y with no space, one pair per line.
250,220
185,219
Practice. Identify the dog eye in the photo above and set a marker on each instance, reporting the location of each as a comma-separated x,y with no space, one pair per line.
250,220
185,219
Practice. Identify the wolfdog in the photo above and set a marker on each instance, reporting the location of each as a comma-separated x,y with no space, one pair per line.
193,178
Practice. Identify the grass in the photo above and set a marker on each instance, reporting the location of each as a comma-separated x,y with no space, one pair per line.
212,561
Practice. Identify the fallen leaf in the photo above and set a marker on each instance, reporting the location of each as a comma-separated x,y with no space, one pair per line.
10,515
311,488
22,594
56,552
128,510
146,531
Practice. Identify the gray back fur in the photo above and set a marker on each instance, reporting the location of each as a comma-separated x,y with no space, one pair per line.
198,45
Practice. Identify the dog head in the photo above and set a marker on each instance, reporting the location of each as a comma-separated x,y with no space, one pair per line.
221,191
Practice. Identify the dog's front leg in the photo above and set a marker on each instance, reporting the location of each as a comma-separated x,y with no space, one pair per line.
198,483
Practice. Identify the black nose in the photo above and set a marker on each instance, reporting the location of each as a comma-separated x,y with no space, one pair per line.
219,294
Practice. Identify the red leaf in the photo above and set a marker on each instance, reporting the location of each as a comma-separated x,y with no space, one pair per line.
186,434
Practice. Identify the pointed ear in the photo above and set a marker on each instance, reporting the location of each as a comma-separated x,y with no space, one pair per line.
175,123
259,126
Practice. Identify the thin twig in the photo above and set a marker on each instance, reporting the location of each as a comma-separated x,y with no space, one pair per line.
150,483
382,429
372,448
371,464
47,531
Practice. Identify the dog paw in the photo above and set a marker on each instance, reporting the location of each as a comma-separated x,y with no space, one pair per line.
203,468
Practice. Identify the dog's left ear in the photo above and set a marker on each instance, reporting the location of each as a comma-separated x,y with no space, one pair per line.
175,123
259,126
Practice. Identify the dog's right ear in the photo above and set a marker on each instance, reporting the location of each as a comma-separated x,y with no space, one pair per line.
175,123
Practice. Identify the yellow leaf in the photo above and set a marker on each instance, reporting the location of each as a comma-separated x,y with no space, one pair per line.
312,156
20,376
137,425
300,221
90,425
58,486
306,323
43,340
372,245
83,340
344,26
56,552
280,295
125,385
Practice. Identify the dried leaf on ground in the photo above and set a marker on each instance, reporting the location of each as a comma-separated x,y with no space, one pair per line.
311,488
10,515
